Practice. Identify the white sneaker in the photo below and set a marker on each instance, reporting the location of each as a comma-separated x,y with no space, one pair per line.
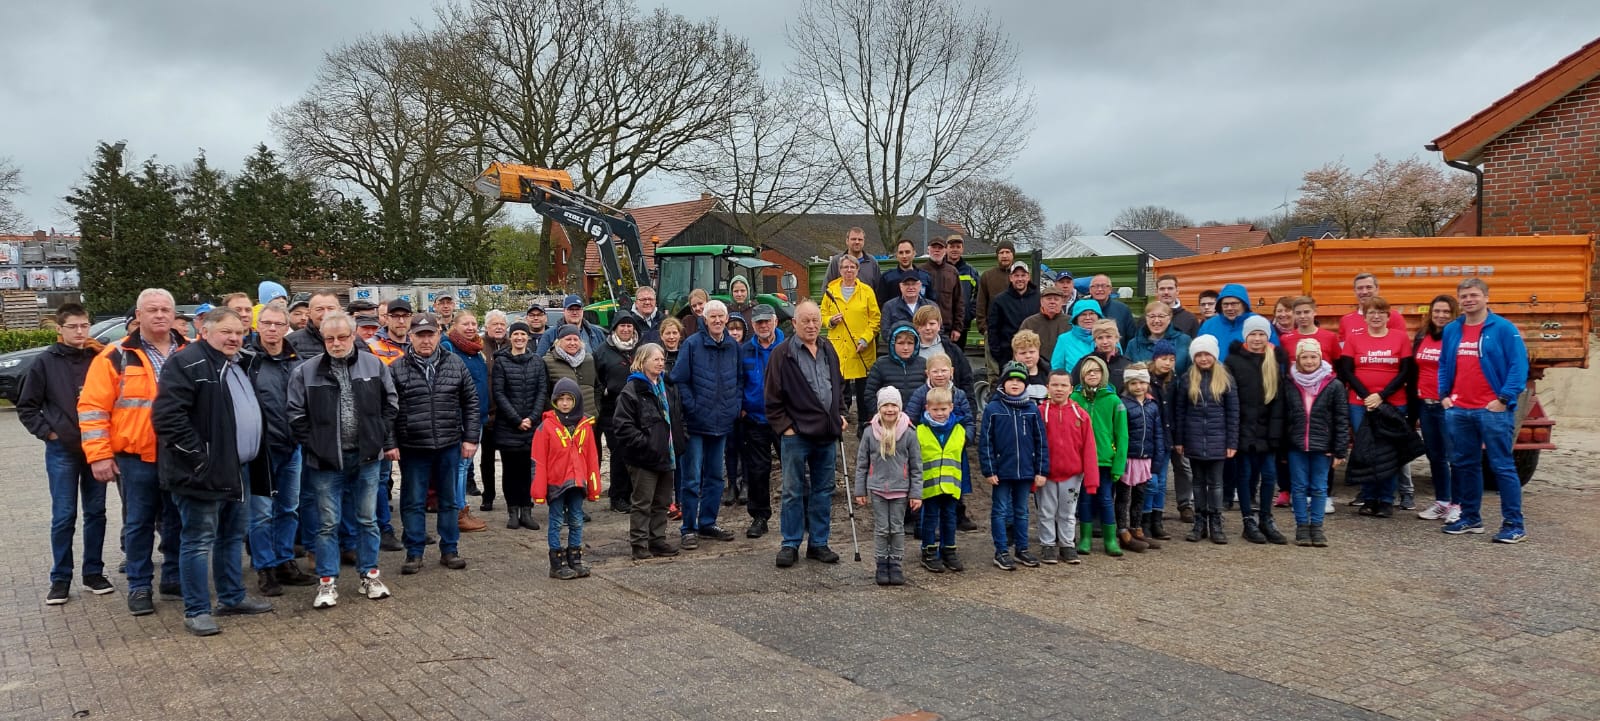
373,587
1453,515
1330,506
1438,510
327,594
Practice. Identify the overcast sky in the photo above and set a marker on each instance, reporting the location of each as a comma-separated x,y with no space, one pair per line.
1214,109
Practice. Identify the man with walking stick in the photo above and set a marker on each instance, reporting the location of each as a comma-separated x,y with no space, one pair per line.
805,407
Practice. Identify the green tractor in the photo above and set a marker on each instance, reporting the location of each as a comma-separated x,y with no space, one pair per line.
681,269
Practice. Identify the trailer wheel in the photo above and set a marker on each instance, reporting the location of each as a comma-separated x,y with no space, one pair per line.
1527,462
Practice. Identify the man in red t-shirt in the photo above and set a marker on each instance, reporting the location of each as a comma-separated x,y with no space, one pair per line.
1483,367
1355,322
1305,326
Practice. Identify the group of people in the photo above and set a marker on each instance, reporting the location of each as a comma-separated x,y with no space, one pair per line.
249,429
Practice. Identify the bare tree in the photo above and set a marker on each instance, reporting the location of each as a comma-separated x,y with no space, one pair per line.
917,96
11,217
1060,232
1409,197
589,86
1150,217
766,163
993,210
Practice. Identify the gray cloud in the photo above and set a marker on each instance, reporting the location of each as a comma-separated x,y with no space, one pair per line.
1214,109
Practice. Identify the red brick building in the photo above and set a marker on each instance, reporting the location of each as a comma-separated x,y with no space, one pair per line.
1538,150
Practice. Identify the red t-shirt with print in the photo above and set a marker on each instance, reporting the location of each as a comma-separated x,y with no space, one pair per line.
1323,337
1377,362
1427,358
1471,389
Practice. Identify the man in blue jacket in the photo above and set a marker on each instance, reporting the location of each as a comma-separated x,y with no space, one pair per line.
1483,368
759,440
1227,326
707,376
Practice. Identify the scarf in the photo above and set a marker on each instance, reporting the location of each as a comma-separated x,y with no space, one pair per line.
1017,401
573,360
428,364
887,437
659,388
469,345
1311,383
622,345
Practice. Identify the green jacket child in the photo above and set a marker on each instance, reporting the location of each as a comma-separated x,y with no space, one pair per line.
1107,415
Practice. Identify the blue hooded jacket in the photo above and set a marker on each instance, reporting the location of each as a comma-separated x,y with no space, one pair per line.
1011,440
1501,354
1074,344
755,376
1227,331
479,370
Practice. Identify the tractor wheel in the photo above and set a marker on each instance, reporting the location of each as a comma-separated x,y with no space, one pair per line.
1527,462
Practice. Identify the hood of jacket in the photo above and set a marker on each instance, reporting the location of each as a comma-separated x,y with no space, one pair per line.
1082,305
904,328
1236,291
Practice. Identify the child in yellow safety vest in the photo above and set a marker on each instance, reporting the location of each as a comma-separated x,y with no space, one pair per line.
943,443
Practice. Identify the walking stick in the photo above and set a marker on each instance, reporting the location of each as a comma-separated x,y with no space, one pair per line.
849,501
861,413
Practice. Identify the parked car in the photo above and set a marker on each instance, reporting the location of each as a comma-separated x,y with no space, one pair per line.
14,366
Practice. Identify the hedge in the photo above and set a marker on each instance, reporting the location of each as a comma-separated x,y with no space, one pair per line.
14,340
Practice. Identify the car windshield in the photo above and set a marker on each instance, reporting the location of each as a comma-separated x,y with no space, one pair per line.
109,331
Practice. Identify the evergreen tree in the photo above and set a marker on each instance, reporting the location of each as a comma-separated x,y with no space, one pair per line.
130,227
200,202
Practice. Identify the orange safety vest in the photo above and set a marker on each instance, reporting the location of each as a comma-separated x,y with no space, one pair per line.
114,405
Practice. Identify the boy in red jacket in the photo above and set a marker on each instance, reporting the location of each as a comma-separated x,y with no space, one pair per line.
1074,467
567,470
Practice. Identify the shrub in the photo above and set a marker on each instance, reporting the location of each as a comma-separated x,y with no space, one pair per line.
15,340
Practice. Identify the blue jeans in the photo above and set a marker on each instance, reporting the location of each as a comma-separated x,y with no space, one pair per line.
1472,429
1155,492
381,510
146,507
700,488
1101,500
417,466
1008,514
1256,477
938,522
275,519
1308,476
70,481
358,481
808,467
1437,439
566,512
213,546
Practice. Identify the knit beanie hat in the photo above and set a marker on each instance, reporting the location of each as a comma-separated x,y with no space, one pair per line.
1162,348
1255,323
1013,369
888,396
566,330
1204,344
1308,345
519,325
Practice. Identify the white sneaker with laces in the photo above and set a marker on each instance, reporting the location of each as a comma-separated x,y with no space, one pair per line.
1454,514
1438,510
372,587
327,594
1330,506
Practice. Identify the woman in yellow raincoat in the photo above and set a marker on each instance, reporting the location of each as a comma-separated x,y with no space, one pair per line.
850,312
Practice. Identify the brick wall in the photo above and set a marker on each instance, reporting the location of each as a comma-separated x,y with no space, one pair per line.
1544,175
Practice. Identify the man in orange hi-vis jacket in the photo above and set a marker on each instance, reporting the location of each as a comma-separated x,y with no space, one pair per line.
120,444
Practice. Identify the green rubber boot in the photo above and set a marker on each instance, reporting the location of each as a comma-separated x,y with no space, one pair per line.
1112,547
1085,538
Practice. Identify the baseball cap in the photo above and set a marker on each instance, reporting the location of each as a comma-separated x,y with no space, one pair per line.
444,296
360,307
572,299
1014,369
910,278
935,240
763,312
535,308
424,322
399,305
367,321
1019,265
954,240
300,299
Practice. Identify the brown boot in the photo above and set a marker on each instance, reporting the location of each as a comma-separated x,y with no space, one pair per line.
470,523
1131,542
1139,535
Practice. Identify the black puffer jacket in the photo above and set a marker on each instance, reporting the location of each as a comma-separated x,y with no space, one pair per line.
1384,443
1260,422
270,374
1208,428
612,366
641,430
197,451
521,390
1326,429
439,415
48,402
891,370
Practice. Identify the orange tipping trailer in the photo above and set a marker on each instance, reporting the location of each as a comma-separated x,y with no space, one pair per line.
1539,282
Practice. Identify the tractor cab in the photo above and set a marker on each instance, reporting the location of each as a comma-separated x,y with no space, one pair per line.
711,268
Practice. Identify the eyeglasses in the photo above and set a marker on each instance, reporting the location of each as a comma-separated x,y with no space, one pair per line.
340,338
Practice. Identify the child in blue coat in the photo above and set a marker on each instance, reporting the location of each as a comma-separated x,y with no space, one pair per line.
1014,455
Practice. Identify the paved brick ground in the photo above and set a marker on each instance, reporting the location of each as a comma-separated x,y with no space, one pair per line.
1394,620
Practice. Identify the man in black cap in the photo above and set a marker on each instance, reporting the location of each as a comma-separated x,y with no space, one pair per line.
299,311
444,306
1008,310
993,282
900,309
437,426
759,441
397,323
537,322
572,314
